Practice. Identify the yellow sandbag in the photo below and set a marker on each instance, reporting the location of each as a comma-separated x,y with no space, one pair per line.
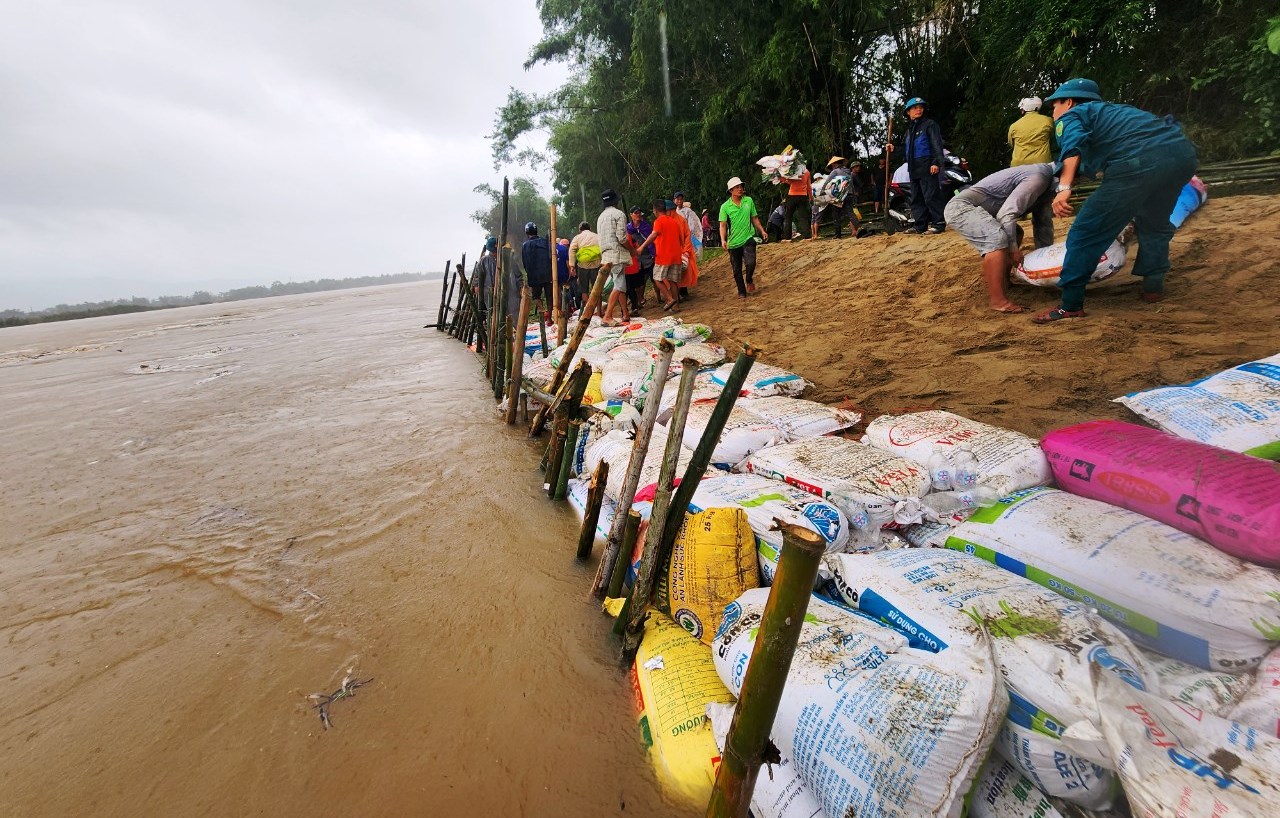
594,393
713,562
673,693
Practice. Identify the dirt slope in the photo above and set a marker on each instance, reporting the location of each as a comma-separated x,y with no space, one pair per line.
900,322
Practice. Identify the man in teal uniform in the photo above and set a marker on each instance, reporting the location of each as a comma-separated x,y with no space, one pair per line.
1145,161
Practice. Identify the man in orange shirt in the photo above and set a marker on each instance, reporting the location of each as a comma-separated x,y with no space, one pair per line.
800,190
669,238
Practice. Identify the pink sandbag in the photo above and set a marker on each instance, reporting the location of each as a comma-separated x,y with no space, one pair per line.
1228,499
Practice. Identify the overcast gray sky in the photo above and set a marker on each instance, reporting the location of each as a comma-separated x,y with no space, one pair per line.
153,147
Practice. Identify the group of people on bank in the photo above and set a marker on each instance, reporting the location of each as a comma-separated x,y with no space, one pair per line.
1144,161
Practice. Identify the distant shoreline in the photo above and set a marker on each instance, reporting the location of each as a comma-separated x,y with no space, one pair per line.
64,312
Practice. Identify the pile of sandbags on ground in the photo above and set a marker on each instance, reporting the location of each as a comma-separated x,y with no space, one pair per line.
871,725
1044,645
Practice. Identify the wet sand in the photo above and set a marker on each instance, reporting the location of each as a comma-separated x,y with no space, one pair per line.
212,512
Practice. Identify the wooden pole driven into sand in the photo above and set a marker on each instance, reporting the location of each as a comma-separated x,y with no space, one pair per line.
701,457
579,332
634,466
767,669
889,226
591,514
463,313
524,408
566,408
557,316
566,459
542,336
444,287
618,577
653,559
517,357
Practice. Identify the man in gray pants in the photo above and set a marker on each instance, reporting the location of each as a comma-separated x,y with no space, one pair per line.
987,213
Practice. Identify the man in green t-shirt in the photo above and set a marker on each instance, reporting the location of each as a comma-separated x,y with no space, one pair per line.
739,223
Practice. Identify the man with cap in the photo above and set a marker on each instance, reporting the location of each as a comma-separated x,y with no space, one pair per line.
584,259
639,273
1145,161
1029,135
739,222
986,214
483,274
921,142
615,254
535,255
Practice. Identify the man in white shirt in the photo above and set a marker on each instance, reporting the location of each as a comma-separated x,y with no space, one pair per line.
615,254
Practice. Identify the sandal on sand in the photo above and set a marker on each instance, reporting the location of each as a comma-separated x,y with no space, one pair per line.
669,307
751,288
1012,309
1049,316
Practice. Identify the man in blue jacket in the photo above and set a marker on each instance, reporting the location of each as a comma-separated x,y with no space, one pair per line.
1145,161
535,255
922,151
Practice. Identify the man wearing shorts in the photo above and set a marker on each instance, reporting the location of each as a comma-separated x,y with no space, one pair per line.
669,238
739,222
987,213
611,229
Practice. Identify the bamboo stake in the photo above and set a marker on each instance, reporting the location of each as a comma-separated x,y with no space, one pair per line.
455,323
618,577
444,285
557,316
524,408
579,332
517,357
706,445
652,559
555,451
542,336
889,226
638,453
566,459
766,672
591,515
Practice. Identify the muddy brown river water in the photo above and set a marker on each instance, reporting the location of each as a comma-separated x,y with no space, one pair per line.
210,513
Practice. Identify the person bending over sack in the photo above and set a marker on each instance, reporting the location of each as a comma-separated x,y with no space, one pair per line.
986,214
1145,161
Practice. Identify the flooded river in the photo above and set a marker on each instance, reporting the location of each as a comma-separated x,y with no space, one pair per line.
212,512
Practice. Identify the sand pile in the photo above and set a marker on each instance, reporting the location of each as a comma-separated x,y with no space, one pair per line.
898,323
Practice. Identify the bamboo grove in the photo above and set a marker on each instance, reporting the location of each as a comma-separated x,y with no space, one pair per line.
745,79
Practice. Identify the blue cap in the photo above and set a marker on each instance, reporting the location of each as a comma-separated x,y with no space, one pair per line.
491,243
913,102
1078,88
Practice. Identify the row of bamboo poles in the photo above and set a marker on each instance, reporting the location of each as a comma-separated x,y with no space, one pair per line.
499,339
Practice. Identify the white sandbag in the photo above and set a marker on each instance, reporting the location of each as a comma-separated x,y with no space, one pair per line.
688,332
764,500
1179,762
1043,642
1000,791
743,433
616,447
594,351
704,389
1260,706
1007,460
539,372
764,380
801,418
848,474
705,354
612,415
780,792
875,728
1213,691
1051,767
1043,267
1171,592
618,381
1238,409
640,350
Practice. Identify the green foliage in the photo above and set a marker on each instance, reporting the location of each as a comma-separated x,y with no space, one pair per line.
747,79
